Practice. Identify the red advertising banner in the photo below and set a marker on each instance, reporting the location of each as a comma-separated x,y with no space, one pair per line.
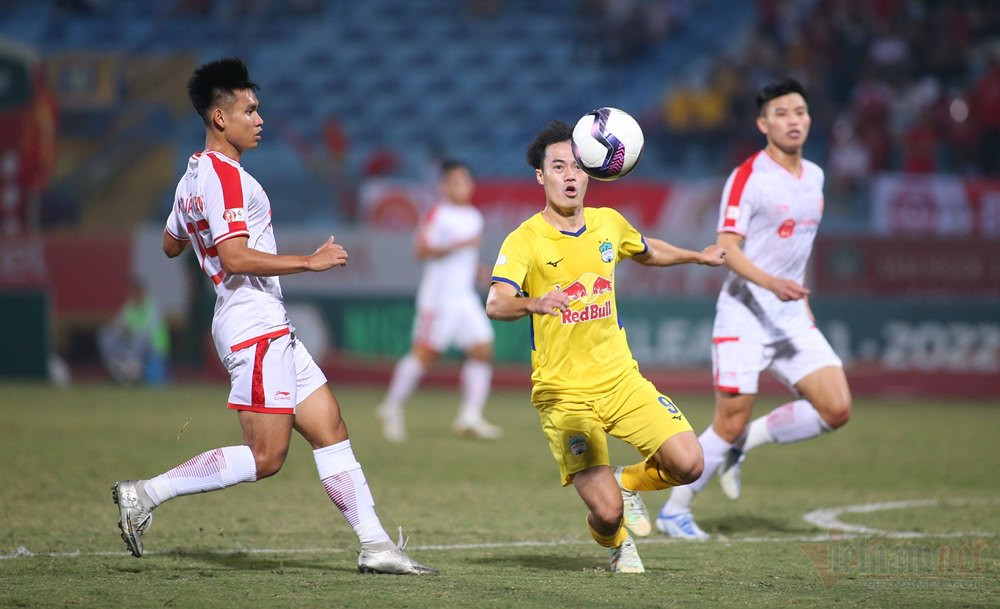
858,266
935,205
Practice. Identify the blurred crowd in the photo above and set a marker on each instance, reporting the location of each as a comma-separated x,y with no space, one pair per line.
895,85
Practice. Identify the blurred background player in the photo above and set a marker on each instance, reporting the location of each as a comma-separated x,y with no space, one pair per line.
449,310
275,384
558,267
770,212
135,345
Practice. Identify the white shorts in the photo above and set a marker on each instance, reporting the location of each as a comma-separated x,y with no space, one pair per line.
272,374
462,325
737,363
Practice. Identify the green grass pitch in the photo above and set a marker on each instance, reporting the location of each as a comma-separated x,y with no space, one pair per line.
491,516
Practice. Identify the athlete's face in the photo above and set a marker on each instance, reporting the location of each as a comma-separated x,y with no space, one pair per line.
564,182
240,120
457,185
785,121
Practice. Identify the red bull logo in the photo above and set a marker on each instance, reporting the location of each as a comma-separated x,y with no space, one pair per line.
575,291
601,285
587,313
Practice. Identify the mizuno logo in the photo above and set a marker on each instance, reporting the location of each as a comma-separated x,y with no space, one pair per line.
554,263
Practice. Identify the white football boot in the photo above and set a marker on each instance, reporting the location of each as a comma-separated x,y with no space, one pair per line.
392,562
636,515
134,518
625,558
479,429
681,526
393,424
729,473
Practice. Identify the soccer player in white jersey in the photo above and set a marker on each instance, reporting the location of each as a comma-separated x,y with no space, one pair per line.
449,310
770,211
275,384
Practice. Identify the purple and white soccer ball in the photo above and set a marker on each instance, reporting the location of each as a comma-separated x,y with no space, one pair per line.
607,143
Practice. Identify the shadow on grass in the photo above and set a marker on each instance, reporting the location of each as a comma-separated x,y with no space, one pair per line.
549,562
272,563
744,524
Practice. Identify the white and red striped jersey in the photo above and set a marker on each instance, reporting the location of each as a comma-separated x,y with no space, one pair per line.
215,200
778,214
452,276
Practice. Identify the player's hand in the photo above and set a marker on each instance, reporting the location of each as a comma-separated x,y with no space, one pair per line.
713,255
327,256
550,304
786,289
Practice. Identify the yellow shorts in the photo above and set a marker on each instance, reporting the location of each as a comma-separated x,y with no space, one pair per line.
633,411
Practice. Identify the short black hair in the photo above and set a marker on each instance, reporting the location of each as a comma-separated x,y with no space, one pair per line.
450,164
778,89
216,80
555,132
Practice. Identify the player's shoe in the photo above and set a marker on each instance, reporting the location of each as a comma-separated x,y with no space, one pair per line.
636,516
479,429
134,518
729,473
681,526
392,562
393,424
625,558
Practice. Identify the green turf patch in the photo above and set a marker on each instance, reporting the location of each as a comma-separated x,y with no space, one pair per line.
490,515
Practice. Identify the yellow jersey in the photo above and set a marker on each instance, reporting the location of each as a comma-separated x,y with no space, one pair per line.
582,352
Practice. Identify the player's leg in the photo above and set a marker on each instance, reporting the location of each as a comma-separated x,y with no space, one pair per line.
641,416
258,390
407,374
318,420
732,411
580,447
466,326
476,375
815,373
605,517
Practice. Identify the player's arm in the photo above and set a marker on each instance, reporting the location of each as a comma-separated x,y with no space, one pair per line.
238,259
504,303
422,250
784,289
172,246
661,253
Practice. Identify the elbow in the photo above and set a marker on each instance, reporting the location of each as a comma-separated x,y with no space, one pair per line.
491,311
232,265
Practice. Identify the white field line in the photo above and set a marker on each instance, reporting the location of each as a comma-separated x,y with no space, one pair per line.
829,518
824,518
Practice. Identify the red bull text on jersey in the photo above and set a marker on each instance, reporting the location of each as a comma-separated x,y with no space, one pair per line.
582,351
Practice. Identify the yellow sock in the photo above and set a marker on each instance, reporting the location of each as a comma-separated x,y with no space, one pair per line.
609,541
646,476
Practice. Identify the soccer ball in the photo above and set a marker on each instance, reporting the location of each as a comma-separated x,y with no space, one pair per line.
607,143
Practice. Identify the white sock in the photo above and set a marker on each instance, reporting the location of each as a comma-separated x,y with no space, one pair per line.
346,486
476,376
209,471
795,421
715,449
757,434
405,377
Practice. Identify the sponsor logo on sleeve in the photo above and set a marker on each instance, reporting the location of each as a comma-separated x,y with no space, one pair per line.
235,214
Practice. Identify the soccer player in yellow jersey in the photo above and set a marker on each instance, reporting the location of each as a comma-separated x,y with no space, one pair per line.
559,268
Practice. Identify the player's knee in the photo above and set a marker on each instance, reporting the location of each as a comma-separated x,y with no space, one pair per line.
607,515
269,463
729,430
687,470
837,412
